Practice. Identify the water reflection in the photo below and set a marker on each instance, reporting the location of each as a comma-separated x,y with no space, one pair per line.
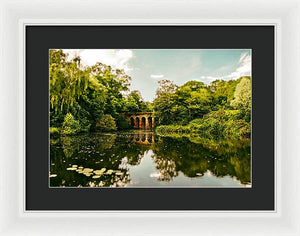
141,158
143,137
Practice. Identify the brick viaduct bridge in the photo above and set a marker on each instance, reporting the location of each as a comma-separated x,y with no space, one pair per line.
141,120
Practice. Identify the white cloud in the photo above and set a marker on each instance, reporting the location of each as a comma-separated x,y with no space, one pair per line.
243,56
208,79
156,76
116,58
243,69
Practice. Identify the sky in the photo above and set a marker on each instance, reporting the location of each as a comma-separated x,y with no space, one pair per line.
147,66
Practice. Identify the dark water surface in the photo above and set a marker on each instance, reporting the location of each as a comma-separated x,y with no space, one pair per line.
139,158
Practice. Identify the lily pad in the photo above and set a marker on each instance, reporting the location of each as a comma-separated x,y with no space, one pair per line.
96,176
87,170
109,172
74,166
98,172
53,175
71,168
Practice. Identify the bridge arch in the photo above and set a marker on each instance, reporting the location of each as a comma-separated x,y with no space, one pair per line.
141,120
137,122
132,121
150,122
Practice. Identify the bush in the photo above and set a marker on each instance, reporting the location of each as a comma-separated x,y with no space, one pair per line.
122,123
164,129
54,131
70,125
224,115
237,129
208,127
82,116
216,124
106,123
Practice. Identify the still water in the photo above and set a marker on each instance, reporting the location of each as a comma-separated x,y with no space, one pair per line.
140,158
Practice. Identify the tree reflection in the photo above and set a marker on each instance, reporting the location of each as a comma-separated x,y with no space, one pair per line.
94,152
195,159
192,156
166,168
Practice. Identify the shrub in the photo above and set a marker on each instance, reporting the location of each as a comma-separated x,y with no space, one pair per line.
70,125
122,123
106,123
224,115
163,129
54,131
216,124
82,116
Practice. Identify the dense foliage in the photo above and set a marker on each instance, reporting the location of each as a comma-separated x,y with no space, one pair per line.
216,124
80,96
220,110
70,125
106,123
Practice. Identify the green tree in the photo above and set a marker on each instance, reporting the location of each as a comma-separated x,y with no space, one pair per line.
223,93
67,81
87,93
221,109
242,97
196,97
70,125
174,104
164,101
106,123
135,102
116,83
242,94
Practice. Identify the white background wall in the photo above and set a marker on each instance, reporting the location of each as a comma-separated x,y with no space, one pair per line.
12,219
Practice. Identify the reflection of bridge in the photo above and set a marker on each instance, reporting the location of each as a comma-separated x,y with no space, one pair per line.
141,120
143,137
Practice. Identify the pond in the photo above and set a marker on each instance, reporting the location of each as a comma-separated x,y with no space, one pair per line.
141,158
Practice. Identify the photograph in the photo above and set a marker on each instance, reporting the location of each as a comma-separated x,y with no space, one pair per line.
150,118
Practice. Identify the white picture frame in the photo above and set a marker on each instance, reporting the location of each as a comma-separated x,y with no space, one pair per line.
15,15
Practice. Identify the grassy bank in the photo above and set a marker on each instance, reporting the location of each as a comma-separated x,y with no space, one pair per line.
218,124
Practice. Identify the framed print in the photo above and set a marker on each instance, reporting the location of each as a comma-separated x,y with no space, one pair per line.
131,124
194,133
